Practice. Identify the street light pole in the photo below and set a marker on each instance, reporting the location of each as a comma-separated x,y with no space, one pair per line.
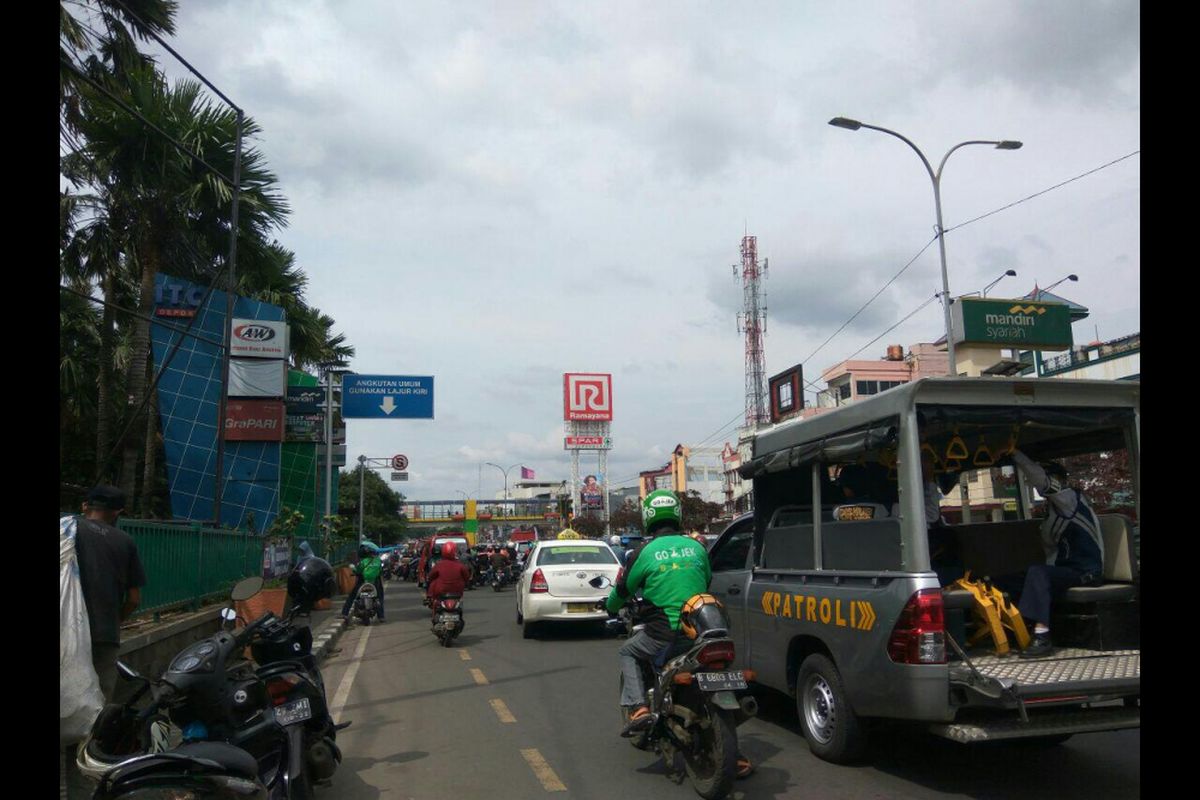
1041,292
362,477
1011,273
936,178
504,472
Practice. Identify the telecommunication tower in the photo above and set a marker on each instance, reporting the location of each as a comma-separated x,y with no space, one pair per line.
752,321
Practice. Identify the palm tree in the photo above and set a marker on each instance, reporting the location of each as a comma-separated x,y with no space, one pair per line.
166,207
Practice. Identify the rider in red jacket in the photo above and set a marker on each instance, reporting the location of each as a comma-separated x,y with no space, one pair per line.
448,576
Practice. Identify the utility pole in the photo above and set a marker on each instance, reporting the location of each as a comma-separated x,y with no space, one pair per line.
362,478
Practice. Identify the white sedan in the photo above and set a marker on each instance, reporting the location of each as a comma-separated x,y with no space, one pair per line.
554,584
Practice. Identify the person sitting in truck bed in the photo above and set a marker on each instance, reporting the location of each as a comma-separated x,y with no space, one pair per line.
1074,550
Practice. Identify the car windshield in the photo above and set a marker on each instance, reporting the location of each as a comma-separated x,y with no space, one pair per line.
585,554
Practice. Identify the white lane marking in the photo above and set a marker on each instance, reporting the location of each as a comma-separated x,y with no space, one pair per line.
479,677
343,690
501,710
542,770
464,655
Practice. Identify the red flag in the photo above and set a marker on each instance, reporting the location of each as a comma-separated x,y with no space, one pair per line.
526,473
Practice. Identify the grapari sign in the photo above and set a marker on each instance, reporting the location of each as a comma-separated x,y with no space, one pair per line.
1011,323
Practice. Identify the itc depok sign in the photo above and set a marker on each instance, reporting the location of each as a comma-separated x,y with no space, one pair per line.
1021,323
587,396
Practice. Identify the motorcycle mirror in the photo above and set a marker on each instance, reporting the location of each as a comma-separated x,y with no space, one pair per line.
246,588
228,614
600,582
127,672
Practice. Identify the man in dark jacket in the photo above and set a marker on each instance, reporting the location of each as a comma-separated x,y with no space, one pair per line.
111,577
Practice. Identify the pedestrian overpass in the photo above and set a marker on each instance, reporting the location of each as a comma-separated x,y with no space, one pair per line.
470,515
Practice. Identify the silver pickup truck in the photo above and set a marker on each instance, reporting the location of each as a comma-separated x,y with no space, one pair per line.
843,611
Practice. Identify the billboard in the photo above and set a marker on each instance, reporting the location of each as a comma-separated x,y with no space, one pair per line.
254,338
1011,323
587,396
254,421
253,377
591,496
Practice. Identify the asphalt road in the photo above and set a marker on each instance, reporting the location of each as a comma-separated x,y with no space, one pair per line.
496,716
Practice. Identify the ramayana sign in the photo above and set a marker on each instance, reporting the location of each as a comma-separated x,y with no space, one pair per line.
1011,323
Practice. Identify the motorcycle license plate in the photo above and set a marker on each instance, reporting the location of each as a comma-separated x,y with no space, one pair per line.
293,712
580,608
720,681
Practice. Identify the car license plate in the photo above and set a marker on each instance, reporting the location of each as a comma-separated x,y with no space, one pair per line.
720,681
580,608
293,712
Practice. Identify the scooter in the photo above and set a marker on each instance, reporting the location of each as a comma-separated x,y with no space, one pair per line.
447,618
366,604
276,712
500,578
693,710
200,769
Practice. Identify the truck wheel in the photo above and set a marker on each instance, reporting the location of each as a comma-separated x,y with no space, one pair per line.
833,730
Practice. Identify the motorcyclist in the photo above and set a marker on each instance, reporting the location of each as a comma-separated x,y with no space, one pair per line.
449,576
667,570
614,542
499,562
366,571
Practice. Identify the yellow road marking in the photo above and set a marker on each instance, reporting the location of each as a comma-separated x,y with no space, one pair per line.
501,710
479,677
464,655
541,769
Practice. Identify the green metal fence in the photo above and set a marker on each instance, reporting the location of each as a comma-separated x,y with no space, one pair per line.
188,564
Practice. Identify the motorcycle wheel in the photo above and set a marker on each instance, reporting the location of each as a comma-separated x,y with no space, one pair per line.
711,761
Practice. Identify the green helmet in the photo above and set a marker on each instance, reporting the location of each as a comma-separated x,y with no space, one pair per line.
661,507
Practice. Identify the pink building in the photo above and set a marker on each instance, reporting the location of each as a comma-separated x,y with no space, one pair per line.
853,380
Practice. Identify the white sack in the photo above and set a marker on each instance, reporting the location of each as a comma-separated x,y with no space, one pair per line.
79,695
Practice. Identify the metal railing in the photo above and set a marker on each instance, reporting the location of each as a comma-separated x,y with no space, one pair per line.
186,564
1092,354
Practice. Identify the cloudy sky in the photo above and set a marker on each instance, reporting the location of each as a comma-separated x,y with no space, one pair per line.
497,193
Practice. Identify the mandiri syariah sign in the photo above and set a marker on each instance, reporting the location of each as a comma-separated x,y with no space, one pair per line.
1020,323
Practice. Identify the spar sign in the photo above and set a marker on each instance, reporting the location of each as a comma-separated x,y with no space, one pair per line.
587,396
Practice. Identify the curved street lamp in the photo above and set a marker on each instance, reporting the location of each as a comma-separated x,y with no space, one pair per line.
1011,273
1071,277
505,473
936,177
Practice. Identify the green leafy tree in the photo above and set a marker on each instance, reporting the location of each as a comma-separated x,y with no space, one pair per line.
382,521
698,513
626,518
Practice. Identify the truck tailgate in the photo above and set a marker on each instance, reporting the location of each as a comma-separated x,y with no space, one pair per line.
1069,670
1073,691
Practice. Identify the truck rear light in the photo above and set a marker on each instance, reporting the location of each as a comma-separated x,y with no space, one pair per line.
538,583
717,655
919,636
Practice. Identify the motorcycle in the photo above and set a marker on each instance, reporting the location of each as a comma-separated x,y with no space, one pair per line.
448,618
366,604
694,712
201,769
274,710
500,578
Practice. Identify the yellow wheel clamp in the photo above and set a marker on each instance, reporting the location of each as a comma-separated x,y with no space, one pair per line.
994,614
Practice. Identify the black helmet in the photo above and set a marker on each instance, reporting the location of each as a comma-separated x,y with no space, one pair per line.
310,581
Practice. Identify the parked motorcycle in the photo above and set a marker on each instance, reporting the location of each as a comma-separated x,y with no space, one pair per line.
447,618
274,710
693,710
212,770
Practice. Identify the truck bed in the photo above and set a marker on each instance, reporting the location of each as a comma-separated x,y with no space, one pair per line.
1070,669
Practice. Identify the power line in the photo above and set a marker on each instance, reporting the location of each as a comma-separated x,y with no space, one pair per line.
1044,191
947,230
864,305
897,325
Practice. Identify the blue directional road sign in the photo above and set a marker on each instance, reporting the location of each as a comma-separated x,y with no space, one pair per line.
387,396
